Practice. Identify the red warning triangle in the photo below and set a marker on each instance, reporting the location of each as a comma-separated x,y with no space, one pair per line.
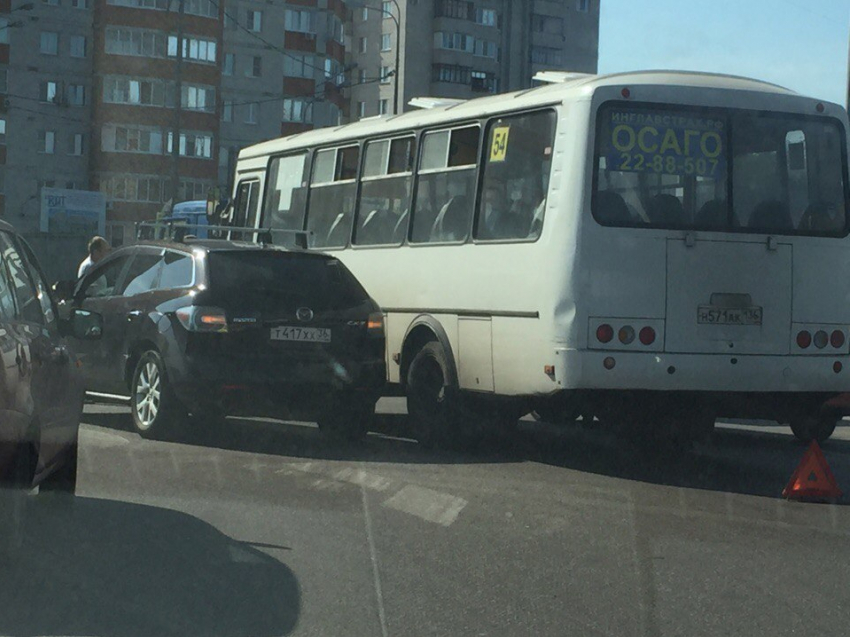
813,479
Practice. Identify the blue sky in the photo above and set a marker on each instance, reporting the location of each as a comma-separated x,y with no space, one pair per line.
800,44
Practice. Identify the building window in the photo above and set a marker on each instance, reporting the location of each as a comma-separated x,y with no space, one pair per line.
78,46
334,71
3,73
80,4
336,29
363,43
386,42
361,110
4,30
47,91
301,21
197,145
297,110
451,73
203,8
76,95
361,76
144,188
194,49
256,69
364,13
47,141
298,65
383,107
486,49
547,56
229,61
255,21
227,111
582,5
49,43
139,42
251,113
76,145
2,131
52,3
145,92
454,41
385,75
454,9
487,17
549,24
198,98
131,139
482,82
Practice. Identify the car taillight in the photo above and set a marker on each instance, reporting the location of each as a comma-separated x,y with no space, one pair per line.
604,333
202,319
821,339
804,339
836,339
647,335
626,334
375,324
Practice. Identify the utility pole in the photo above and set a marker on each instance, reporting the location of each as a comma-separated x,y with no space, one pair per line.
178,97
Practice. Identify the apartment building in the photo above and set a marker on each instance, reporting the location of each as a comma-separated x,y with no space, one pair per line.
463,49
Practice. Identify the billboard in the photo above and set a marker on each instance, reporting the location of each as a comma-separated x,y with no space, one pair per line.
73,212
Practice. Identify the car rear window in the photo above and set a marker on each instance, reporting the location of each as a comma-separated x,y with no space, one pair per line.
278,280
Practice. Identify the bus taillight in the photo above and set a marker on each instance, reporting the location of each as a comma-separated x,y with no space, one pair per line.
647,335
837,339
804,339
626,334
604,333
821,338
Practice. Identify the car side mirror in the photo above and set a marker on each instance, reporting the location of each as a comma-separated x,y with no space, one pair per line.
84,325
63,290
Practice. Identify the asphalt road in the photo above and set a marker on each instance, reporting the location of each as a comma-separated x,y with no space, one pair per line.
271,530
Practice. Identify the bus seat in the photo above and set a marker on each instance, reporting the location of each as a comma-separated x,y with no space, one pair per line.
337,235
401,227
816,218
451,223
610,207
666,210
771,214
713,214
378,228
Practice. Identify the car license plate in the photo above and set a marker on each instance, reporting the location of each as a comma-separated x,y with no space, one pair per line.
301,334
710,315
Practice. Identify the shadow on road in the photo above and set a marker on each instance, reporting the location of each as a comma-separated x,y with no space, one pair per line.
107,568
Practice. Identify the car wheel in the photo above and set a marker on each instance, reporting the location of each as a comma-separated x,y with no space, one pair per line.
810,428
65,479
155,408
348,419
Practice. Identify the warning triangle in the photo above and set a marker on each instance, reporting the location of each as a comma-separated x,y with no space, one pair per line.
813,479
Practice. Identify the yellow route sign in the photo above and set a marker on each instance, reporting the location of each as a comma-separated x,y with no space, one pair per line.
499,149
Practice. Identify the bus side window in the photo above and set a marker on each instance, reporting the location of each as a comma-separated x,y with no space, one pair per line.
286,195
385,192
247,200
332,191
517,163
446,192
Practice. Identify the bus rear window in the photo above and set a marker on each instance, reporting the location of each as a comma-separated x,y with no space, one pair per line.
671,168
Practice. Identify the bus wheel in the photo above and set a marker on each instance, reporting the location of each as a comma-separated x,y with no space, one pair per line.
810,428
432,404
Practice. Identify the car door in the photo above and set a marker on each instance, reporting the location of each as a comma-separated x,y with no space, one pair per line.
131,307
99,292
57,385
43,360
14,415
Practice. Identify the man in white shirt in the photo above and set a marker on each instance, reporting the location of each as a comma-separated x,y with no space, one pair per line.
98,248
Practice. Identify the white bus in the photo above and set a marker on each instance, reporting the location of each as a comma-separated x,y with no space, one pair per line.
656,249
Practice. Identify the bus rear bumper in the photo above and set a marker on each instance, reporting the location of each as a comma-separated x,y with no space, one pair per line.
589,370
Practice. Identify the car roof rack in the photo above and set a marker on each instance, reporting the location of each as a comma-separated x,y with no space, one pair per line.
177,231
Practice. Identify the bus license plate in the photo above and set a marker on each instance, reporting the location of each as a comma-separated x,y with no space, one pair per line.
301,334
710,315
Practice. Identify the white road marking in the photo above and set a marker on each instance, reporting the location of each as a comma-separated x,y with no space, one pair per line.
430,505
363,479
373,554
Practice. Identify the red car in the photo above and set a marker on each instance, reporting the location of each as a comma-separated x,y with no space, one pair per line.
41,391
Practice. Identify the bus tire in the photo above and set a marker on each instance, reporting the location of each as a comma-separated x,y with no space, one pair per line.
434,406
811,428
